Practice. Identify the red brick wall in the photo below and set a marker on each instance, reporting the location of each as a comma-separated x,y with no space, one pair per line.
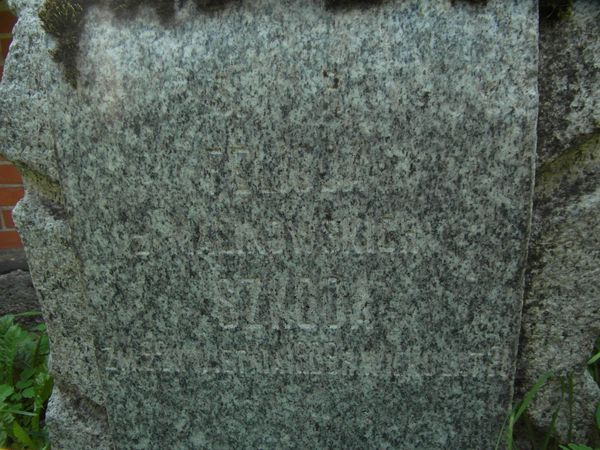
11,185
7,21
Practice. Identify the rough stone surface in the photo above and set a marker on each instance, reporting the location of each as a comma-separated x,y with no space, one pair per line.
31,110
569,80
286,226
57,275
561,315
76,423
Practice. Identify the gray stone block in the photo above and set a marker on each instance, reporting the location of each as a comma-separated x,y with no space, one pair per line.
561,314
57,276
287,226
569,80
22,102
560,325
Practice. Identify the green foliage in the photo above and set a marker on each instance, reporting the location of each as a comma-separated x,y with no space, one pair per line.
575,447
518,411
25,385
548,440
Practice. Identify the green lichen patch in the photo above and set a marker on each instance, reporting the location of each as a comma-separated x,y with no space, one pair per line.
40,183
570,169
62,18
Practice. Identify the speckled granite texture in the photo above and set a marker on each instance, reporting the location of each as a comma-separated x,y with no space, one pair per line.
78,397
561,315
569,80
296,227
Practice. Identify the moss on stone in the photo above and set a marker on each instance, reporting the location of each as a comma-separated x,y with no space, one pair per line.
40,183
569,168
64,19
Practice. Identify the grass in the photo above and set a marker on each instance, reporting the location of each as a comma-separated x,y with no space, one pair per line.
25,387
548,440
25,384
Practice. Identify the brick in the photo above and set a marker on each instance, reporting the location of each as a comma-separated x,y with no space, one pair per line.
9,175
7,218
9,196
10,239
7,21
5,44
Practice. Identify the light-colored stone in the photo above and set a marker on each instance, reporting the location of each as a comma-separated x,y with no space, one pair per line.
76,423
32,111
288,226
56,272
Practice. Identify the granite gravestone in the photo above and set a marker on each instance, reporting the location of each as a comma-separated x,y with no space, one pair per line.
561,311
287,225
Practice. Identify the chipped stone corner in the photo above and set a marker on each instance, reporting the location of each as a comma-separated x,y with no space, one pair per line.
75,422
76,414
33,106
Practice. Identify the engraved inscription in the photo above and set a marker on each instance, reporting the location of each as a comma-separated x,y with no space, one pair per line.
346,235
289,239
311,358
285,302
280,170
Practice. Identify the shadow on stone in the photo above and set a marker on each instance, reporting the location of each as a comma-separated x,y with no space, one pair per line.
18,294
